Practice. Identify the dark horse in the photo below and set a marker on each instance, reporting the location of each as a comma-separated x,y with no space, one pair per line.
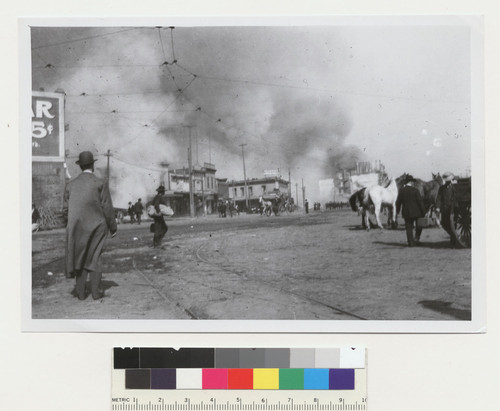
428,190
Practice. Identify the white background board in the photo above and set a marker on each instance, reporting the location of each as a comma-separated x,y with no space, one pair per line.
54,371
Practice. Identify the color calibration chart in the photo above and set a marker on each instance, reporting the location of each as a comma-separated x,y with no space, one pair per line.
164,379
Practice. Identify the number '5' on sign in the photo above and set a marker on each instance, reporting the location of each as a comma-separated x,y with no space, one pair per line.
38,129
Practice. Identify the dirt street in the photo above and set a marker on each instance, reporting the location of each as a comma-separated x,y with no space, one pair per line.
316,266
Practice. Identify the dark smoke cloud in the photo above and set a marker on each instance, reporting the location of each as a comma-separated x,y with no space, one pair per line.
259,86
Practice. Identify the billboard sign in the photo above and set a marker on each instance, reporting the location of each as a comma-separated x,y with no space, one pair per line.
272,173
47,126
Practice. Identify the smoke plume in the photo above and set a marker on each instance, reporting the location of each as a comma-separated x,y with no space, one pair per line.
140,92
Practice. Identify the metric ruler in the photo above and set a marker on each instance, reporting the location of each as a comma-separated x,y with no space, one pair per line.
165,379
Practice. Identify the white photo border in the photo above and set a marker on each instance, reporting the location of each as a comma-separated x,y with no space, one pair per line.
478,292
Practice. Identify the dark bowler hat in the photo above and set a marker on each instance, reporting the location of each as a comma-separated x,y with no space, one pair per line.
161,189
85,158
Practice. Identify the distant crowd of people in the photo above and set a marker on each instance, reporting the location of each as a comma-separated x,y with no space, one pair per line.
225,207
336,205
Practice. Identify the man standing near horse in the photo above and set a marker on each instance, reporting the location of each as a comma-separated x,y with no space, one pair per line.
445,202
413,208
90,215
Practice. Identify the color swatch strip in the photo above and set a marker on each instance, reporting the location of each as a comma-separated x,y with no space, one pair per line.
240,378
233,358
239,368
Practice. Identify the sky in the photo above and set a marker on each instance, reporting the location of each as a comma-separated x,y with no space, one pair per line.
311,100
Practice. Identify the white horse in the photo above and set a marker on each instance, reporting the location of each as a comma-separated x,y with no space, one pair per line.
377,197
267,206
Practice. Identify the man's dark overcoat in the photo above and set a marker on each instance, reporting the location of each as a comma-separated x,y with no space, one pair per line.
90,216
411,201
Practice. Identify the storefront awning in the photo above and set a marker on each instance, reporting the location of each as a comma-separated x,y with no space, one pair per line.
172,194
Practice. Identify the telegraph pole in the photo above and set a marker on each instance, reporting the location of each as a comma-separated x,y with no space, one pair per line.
297,194
303,194
108,154
197,163
289,184
209,147
190,165
203,196
244,173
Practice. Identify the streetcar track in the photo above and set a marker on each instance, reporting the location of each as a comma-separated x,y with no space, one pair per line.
40,266
161,293
165,297
241,272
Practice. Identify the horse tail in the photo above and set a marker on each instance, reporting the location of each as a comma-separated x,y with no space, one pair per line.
365,196
352,201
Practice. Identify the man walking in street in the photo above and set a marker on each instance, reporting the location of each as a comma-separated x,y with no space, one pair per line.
90,216
160,227
138,208
413,208
445,203
131,212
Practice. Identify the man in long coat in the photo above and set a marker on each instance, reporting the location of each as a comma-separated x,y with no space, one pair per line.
413,208
90,217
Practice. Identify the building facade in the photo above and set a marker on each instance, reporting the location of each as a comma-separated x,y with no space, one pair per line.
256,188
205,190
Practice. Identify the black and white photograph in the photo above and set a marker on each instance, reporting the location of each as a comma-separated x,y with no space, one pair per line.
315,174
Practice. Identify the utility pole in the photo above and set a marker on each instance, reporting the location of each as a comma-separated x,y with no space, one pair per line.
203,194
108,154
303,194
209,147
197,162
289,184
190,165
244,173
297,194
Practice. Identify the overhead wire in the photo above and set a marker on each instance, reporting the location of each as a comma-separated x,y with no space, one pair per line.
158,170
134,93
101,66
172,42
161,43
179,93
83,38
51,66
